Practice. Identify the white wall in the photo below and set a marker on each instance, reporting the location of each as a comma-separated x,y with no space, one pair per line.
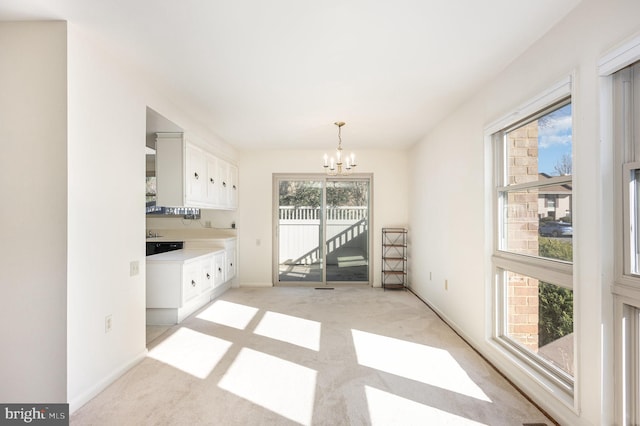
255,218
450,203
33,188
107,123
73,118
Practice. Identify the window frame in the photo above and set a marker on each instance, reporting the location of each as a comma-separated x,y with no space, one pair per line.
627,369
557,272
324,179
631,221
625,285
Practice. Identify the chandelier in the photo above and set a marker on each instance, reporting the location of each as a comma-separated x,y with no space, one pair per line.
340,165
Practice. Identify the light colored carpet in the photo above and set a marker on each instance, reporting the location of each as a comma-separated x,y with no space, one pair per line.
286,356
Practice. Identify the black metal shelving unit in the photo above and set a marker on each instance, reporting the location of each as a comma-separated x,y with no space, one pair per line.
394,258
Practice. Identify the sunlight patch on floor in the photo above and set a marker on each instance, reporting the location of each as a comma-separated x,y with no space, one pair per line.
190,351
281,386
388,409
286,328
228,313
425,364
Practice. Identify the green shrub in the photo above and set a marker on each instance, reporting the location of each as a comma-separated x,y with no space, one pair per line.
555,249
555,313
555,307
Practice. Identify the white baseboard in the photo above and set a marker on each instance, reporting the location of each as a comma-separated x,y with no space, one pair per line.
256,284
76,402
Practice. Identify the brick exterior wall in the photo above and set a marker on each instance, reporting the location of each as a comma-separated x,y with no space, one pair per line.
522,235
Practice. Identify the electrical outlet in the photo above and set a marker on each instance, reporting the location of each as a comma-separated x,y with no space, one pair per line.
446,284
134,268
107,323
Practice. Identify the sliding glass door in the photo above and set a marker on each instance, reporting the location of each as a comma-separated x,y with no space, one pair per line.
347,230
299,231
321,230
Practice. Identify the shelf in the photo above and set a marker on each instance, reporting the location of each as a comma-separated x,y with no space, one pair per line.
394,258
394,286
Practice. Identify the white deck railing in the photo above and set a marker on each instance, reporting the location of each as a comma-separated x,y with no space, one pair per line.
299,230
313,213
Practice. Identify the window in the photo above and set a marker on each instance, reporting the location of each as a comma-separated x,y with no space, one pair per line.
626,290
626,126
533,247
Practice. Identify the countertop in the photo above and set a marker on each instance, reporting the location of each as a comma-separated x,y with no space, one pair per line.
200,235
182,255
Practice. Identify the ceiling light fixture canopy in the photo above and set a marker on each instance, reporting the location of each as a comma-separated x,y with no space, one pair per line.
340,165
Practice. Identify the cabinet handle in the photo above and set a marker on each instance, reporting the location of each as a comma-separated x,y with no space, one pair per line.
195,175
219,269
234,187
224,184
208,276
211,180
231,264
193,283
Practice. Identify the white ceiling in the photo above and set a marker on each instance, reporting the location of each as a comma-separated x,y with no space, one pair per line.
279,73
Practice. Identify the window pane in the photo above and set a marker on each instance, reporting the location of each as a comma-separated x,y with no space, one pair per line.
541,148
530,226
300,251
347,222
540,319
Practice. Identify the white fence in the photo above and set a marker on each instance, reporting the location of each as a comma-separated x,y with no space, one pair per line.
290,213
300,236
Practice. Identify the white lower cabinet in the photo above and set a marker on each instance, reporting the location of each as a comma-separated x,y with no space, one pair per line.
180,282
219,276
230,259
208,274
191,281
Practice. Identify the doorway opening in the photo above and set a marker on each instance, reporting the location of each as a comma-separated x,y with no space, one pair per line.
322,230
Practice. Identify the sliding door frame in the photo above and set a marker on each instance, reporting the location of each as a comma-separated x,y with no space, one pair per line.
275,250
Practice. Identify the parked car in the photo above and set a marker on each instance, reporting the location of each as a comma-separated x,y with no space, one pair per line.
556,229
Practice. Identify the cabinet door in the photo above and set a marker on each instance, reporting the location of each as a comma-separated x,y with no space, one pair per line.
208,274
195,176
230,257
223,175
191,281
214,183
233,189
218,269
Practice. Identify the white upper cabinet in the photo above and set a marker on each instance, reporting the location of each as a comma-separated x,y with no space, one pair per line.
196,177
188,176
213,181
233,186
